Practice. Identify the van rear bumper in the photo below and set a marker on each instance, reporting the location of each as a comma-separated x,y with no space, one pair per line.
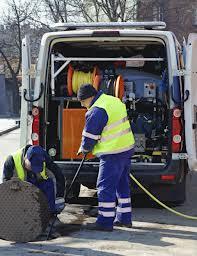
147,174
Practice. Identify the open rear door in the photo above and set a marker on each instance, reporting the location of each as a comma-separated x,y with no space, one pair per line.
190,106
26,92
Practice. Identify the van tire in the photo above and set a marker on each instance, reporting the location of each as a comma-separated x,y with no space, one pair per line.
75,190
172,195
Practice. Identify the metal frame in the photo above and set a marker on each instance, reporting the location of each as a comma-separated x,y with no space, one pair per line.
144,25
69,59
66,61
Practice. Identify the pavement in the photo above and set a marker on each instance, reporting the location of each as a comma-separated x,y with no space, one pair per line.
155,231
8,124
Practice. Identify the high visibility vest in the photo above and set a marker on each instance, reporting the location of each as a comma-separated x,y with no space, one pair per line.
116,136
19,168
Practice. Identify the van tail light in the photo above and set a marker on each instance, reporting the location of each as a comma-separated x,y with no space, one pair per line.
35,126
168,177
176,130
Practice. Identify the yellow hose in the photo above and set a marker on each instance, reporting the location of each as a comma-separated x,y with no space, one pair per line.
160,203
80,78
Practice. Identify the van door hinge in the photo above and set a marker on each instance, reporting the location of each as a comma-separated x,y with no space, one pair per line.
194,126
181,72
178,156
32,71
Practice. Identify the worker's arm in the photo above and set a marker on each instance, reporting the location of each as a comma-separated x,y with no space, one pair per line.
8,168
60,181
96,120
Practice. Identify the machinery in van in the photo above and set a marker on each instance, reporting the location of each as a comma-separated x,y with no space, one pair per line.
136,61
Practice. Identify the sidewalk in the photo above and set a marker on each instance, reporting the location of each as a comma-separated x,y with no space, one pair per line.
8,125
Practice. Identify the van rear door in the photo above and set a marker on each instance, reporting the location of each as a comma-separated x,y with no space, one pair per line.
190,105
25,120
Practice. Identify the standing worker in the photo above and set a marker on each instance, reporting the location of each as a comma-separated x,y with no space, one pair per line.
107,134
30,164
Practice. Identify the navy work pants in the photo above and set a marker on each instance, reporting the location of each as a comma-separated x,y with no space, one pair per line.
112,185
47,187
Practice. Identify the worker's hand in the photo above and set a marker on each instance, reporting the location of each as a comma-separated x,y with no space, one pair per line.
82,151
59,204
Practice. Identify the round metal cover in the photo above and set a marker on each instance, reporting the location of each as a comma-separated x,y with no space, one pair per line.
24,211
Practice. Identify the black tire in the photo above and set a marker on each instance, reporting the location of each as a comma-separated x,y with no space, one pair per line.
172,195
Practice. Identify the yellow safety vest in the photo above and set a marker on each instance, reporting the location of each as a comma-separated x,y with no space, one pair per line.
116,136
19,168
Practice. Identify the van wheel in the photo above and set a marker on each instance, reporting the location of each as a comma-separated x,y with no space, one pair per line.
171,195
74,192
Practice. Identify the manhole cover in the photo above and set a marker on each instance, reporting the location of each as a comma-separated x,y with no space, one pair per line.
24,211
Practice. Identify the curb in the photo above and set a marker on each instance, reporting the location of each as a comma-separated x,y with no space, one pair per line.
9,130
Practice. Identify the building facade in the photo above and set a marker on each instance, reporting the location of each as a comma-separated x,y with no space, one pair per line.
180,15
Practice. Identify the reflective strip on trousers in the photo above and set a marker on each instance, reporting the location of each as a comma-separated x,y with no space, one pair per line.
123,210
107,204
91,136
124,200
113,125
116,135
106,214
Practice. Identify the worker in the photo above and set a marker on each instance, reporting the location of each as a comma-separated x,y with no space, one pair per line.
30,164
107,134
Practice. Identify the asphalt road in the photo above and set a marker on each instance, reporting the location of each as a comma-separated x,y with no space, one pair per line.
155,231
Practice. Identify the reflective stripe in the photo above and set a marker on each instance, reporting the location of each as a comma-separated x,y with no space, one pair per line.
124,200
113,125
91,136
107,214
116,135
123,210
21,173
107,205
115,151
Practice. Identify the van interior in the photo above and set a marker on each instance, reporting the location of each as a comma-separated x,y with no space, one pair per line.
134,70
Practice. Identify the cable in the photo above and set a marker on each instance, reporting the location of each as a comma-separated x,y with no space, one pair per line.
75,78
159,202
80,78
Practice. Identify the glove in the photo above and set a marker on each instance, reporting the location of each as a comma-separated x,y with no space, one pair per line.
82,151
59,204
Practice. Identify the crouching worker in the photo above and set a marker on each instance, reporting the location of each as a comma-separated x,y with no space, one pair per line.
30,164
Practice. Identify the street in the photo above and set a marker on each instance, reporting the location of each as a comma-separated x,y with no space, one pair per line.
155,231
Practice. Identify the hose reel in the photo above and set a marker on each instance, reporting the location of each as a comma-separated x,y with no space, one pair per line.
75,78
113,85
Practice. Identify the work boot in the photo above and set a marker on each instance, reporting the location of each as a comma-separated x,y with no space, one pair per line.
96,226
119,224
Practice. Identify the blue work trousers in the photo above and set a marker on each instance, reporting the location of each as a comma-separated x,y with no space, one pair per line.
113,186
47,187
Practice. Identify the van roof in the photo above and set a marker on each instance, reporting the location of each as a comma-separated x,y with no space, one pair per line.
101,25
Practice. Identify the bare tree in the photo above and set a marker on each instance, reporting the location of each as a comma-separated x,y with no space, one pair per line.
16,24
56,10
106,10
91,10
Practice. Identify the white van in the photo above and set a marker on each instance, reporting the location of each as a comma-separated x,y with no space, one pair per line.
142,65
